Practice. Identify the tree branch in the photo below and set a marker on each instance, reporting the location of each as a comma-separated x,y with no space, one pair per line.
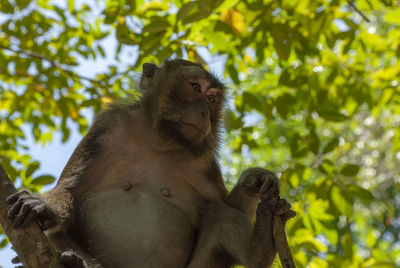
358,11
30,243
281,243
53,63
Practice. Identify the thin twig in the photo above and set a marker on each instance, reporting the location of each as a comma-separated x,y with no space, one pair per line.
358,11
53,63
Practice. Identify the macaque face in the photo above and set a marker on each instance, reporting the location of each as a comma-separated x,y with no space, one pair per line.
189,103
201,103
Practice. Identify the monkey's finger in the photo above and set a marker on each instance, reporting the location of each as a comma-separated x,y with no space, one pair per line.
15,209
45,217
21,216
15,196
268,184
31,217
271,195
287,215
15,260
46,224
290,214
282,206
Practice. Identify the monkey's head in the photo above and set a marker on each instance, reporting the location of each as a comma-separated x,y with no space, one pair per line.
183,102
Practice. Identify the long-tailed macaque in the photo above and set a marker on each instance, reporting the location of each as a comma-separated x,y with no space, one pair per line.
143,188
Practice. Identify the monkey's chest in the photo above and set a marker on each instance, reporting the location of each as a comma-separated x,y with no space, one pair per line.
139,227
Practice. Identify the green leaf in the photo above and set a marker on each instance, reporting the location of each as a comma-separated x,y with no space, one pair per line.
331,115
4,242
6,7
347,244
32,168
223,27
43,180
360,193
332,144
350,170
22,3
215,38
283,103
233,74
193,11
231,121
9,169
157,24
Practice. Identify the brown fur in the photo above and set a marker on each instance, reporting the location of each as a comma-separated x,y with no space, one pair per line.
143,188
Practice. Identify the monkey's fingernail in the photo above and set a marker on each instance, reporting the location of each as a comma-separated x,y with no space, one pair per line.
126,186
166,191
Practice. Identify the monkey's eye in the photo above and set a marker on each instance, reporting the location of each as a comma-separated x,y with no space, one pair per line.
211,98
196,87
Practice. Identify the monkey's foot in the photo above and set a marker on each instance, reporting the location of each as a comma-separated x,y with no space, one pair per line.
72,259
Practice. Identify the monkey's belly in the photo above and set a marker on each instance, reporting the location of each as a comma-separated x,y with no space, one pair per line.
135,228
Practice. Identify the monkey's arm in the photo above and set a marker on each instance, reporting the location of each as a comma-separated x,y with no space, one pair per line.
55,211
244,197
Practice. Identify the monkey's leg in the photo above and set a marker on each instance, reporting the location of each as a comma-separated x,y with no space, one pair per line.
71,255
223,238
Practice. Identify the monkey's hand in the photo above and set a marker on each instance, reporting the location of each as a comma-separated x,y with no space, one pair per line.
270,199
283,209
27,208
259,181
266,185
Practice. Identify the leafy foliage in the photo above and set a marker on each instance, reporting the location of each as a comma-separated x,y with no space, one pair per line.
315,97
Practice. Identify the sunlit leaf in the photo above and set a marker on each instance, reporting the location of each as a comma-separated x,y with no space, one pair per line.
233,18
341,202
393,16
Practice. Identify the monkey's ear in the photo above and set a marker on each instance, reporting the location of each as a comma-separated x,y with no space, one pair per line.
149,69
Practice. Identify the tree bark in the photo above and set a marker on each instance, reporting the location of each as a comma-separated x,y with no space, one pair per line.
30,243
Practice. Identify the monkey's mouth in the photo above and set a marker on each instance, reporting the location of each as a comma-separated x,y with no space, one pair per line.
194,132
192,125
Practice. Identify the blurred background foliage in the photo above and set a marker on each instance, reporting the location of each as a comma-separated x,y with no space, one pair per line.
314,91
